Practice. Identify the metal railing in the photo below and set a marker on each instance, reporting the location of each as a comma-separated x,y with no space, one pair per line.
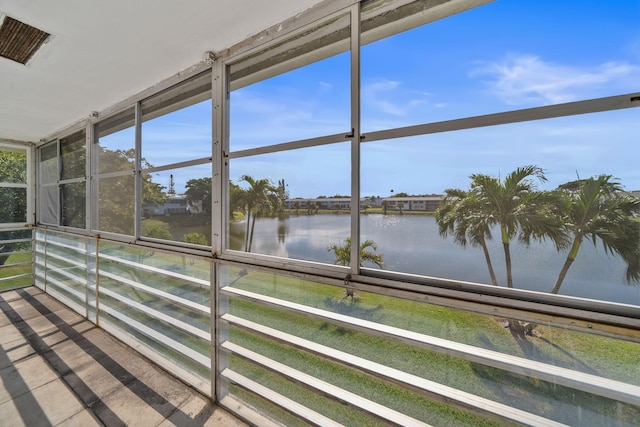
299,350
16,260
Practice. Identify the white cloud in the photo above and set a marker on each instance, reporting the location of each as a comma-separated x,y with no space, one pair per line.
526,79
388,97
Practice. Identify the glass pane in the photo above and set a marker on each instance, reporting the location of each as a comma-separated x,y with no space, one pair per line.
178,117
49,163
116,142
116,204
74,204
447,362
49,204
74,155
292,204
407,179
501,56
167,293
13,205
294,90
177,205
15,259
13,166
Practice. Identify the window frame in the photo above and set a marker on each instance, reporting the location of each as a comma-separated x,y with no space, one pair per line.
28,185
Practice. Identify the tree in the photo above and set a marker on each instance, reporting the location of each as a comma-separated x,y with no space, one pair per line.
518,209
195,238
259,198
13,201
117,194
157,232
198,190
343,253
599,209
461,216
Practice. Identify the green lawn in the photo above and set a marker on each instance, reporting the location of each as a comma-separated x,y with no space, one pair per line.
16,270
587,353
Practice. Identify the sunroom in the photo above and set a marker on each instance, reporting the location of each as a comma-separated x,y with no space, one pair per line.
237,193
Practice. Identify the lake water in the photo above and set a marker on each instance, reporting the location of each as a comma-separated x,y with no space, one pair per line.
411,244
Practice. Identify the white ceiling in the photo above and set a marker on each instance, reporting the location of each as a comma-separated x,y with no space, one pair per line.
102,52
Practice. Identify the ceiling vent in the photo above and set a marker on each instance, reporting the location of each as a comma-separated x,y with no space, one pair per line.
19,41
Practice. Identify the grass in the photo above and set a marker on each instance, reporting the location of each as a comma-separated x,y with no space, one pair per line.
602,356
8,271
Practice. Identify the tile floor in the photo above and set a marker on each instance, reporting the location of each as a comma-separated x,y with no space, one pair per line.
57,369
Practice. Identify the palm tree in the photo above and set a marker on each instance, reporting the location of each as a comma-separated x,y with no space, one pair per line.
519,209
463,216
343,253
598,208
259,199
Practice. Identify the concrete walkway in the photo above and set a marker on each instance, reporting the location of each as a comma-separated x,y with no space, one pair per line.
57,369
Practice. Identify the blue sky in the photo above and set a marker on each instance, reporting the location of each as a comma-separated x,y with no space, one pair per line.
507,55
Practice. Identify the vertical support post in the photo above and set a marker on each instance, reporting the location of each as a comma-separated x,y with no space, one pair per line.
220,212
92,279
59,186
137,228
355,140
90,195
219,162
94,180
32,173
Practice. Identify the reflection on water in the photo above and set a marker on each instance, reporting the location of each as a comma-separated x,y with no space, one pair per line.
411,244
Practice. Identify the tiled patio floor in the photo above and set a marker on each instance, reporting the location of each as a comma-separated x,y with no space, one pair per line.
58,369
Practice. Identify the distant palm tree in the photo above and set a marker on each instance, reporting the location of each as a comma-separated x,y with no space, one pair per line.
343,253
518,209
598,208
463,216
260,198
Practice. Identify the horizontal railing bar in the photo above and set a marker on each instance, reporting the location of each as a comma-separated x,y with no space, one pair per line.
18,276
63,271
189,279
278,399
81,251
446,393
15,264
155,335
72,262
324,387
536,113
162,294
13,185
203,335
304,143
114,174
4,242
170,166
556,375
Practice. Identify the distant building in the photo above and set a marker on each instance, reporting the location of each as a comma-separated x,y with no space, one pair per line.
176,204
414,203
410,203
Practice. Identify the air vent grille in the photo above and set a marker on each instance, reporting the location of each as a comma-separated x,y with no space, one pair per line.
19,41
